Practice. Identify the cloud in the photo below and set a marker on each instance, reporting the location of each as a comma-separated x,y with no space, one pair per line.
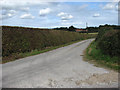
10,7
110,6
45,11
61,14
64,16
27,16
116,0
25,9
12,12
67,17
96,15
7,14
20,3
118,7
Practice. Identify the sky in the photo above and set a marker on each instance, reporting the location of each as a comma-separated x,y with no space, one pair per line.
51,14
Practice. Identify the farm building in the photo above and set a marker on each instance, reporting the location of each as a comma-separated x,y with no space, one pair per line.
81,30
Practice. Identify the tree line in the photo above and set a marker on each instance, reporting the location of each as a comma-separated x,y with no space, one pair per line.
89,29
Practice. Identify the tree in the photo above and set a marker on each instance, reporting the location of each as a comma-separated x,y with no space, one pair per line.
72,28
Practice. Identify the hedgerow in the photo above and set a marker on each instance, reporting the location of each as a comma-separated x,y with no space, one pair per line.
21,39
108,40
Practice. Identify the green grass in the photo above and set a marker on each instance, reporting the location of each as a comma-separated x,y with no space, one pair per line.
96,55
93,33
16,56
96,33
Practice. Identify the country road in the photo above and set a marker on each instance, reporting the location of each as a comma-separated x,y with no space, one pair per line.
60,68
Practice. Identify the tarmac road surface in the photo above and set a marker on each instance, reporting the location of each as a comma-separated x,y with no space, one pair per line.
60,68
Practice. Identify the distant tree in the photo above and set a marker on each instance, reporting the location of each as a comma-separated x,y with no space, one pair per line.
61,28
72,28
92,29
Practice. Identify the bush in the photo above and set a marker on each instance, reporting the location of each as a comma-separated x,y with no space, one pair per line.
109,43
102,31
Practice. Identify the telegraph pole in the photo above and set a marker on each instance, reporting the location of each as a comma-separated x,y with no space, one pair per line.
86,27
86,24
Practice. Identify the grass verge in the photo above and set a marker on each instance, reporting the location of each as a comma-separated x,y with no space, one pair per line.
96,56
16,56
93,33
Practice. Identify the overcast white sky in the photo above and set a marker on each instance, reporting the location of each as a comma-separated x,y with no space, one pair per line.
31,13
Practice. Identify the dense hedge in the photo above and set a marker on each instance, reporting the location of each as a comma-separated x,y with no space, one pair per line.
110,43
108,40
20,39
102,31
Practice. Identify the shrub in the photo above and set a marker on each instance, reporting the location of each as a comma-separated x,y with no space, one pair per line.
109,43
102,31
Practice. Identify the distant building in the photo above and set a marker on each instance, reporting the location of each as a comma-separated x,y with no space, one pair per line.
81,30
